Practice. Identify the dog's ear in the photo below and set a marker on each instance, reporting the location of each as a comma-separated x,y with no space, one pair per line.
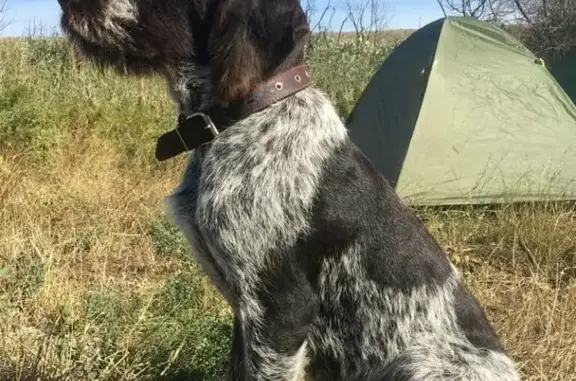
251,40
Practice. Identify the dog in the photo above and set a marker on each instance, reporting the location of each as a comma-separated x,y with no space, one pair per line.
328,274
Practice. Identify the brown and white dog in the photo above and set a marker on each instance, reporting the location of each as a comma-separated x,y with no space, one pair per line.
329,276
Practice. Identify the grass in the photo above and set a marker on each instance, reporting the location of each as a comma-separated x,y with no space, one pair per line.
96,284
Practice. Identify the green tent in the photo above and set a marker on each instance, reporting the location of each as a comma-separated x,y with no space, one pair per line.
565,73
462,113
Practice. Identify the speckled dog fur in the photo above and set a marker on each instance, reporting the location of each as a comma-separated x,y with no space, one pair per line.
329,276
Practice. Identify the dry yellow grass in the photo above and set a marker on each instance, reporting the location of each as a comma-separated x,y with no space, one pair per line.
520,261
96,285
80,266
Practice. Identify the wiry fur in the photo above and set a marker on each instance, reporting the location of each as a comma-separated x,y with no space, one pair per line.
329,276
249,198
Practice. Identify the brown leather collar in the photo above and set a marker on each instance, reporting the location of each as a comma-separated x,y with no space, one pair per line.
201,128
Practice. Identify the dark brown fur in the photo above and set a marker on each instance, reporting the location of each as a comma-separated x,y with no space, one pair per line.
242,42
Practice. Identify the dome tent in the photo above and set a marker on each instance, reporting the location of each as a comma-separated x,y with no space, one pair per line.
462,113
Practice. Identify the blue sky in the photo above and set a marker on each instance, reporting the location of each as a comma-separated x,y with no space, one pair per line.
24,14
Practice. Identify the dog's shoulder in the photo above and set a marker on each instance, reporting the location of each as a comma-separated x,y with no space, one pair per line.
356,205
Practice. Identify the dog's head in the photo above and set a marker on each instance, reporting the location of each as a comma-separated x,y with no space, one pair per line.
225,47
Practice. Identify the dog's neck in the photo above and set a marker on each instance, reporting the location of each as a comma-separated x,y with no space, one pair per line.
200,128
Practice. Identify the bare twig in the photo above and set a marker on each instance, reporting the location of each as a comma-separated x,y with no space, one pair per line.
356,10
442,7
3,12
522,11
479,9
529,253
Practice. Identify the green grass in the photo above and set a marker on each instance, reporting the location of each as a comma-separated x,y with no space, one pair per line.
96,284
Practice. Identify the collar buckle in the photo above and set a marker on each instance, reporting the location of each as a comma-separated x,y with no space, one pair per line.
199,128
208,121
